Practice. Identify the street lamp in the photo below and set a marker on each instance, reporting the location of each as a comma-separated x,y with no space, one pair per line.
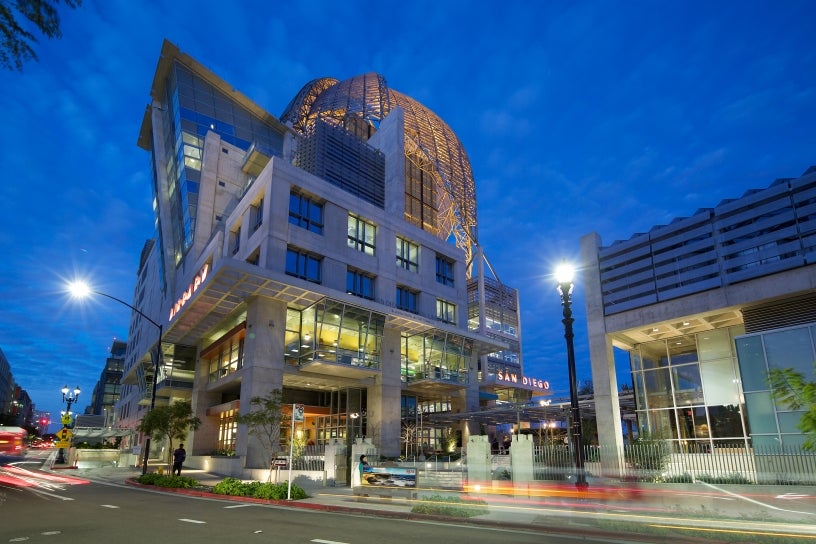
81,290
564,275
68,397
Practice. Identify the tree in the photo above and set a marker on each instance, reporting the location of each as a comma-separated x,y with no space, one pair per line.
791,389
172,421
17,37
264,423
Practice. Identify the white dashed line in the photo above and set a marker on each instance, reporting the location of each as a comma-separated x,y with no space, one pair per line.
108,506
192,520
327,541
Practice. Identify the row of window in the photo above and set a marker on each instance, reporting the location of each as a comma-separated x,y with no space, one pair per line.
306,212
307,266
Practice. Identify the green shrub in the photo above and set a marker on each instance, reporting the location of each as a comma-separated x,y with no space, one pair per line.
279,491
728,479
230,486
684,478
450,506
162,480
237,488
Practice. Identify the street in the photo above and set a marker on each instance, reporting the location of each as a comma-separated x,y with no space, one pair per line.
36,506
86,512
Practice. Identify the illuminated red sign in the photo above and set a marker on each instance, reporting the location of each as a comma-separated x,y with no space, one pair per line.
197,282
512,377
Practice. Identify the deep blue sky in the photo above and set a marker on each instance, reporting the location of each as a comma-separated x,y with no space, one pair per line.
577,116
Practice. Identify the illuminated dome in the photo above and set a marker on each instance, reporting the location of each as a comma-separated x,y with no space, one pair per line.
440,194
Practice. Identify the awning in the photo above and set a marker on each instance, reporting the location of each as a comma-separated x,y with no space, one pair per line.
99,432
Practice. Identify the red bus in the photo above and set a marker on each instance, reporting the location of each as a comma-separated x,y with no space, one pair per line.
12,440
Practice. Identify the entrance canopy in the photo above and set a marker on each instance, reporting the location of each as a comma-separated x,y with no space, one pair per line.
99,432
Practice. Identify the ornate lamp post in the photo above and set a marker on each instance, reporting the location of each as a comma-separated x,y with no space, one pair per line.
564,276
81,290
68,397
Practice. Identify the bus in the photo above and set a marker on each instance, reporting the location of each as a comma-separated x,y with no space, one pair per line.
12,441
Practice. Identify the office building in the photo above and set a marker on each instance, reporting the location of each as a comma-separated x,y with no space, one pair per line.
703,307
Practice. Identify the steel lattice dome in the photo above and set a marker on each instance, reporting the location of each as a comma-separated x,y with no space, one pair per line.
429,142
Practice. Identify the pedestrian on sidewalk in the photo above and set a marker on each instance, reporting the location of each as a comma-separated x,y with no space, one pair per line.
178,459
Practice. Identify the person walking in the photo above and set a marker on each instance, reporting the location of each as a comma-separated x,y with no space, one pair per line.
178,459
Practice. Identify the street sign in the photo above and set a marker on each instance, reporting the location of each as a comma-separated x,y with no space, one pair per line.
66,419
279,462
63,444
64,434
297,415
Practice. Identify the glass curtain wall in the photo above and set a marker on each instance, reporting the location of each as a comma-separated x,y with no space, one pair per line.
687,390
773,424
436,355
335,332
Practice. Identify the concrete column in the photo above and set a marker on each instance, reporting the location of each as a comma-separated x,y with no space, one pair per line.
521,463
383,398
479,466
604,378
263,368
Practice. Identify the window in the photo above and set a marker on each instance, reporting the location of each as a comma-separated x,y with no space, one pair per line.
407,255
407,299
225,358
303,265
227,430
359,284
236,241
361,234
257,215
444,270
445,311
305,212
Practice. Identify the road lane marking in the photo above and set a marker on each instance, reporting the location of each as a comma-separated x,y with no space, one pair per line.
764,505
108,506
41,492
327,541
237,506
192,520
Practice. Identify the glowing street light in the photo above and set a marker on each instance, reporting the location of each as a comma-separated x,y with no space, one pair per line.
68,397
564,275
79,290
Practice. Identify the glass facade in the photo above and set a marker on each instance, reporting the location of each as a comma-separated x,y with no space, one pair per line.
193,108
436,355
771,423
334,332
687,390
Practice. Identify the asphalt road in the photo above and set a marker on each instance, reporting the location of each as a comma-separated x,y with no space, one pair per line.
37,506
51,508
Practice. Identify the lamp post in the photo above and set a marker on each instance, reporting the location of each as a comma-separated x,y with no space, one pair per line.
564,276
68,397
80,290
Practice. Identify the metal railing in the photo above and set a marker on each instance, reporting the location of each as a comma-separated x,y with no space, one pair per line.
660,462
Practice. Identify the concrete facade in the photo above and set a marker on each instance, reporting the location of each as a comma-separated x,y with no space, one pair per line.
745,267
261,282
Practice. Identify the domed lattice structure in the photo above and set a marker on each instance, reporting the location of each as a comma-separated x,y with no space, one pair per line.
440,194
